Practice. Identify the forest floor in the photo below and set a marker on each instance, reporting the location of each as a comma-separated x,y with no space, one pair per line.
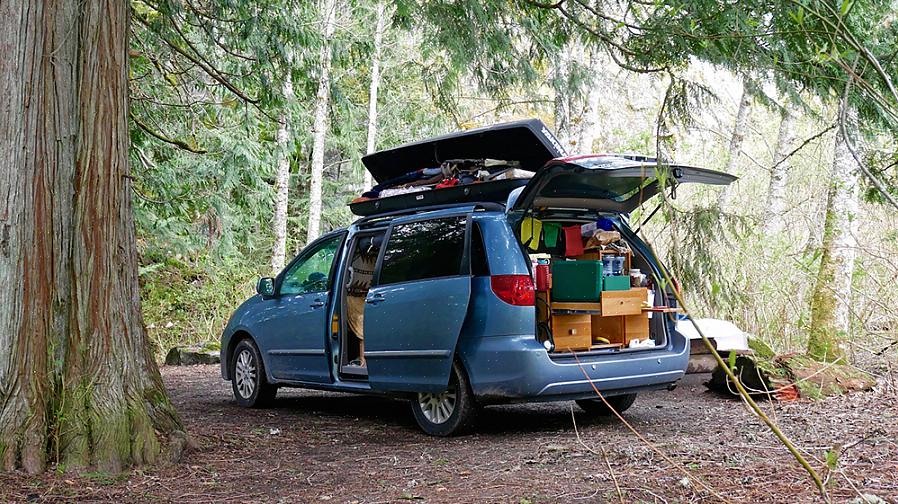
319,447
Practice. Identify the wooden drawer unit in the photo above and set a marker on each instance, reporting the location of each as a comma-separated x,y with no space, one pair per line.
627,302
621,329
571,332
636,327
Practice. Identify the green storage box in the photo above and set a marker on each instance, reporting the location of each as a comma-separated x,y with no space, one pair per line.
576,280
616,283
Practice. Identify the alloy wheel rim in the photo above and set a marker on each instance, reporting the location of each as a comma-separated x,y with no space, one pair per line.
437,408
245,374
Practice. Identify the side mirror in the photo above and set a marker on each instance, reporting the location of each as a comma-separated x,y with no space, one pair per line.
265,287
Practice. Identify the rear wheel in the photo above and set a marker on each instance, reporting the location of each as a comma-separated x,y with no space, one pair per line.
449,412
251,388
598,408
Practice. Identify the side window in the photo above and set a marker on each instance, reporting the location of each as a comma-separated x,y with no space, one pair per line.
479,264
311,274
424,249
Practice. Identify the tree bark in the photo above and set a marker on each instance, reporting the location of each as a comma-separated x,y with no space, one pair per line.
319,129
831,299
78,384
776,193
375,84
284,144
735,149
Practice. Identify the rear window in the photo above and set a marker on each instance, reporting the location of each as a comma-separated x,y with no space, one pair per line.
424,249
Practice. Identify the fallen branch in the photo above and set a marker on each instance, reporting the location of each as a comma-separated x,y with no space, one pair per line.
742,392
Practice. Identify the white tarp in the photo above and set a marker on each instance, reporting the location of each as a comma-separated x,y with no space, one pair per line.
725,334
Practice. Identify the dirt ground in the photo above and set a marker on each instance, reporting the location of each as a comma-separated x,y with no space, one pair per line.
320,447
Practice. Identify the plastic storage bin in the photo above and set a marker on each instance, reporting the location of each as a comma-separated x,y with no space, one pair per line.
616,283
577,280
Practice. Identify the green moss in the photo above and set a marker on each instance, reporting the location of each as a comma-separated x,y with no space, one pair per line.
188,302
760,348
211,346
111,436
823,335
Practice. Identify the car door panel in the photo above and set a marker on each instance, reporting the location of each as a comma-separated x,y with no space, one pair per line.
292,328
293,339
412,330
418,304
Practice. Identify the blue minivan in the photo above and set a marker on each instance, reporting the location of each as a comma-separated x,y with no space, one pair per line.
430,295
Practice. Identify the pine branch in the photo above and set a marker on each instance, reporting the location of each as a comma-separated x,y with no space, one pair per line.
200,62
177,143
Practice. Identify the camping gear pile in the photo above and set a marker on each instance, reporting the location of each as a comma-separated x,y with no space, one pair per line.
589,296
451,173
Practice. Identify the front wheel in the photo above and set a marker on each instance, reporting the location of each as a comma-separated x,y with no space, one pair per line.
598,408
449,412
251,388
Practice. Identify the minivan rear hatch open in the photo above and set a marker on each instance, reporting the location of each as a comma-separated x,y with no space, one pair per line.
609,183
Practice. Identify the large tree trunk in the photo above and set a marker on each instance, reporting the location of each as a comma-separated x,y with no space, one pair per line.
735,149
831,299
375,84
284,143
776,193
77,381
319,128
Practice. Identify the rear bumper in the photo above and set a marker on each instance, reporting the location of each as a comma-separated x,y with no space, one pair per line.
518,369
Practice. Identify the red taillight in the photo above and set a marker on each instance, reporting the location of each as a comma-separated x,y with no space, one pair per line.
514,289
677,286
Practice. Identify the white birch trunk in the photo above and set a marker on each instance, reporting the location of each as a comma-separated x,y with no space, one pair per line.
831,301
776,193
590,129
279,251
562,105
319,127
735,149
375,84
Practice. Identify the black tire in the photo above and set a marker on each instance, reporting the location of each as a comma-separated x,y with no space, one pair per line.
596,407
251,388
434,420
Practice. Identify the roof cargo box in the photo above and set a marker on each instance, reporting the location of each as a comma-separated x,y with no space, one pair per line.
528,143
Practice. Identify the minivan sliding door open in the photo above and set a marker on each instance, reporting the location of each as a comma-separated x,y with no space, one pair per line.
415,311
357,278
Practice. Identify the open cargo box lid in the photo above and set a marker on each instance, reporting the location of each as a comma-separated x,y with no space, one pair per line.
614,183
529,142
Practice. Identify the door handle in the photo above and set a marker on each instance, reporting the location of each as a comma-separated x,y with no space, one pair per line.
374,299
317,303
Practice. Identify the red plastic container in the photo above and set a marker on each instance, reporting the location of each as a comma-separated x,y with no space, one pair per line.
543,278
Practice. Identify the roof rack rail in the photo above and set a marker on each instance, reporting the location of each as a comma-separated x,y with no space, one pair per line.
373,220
